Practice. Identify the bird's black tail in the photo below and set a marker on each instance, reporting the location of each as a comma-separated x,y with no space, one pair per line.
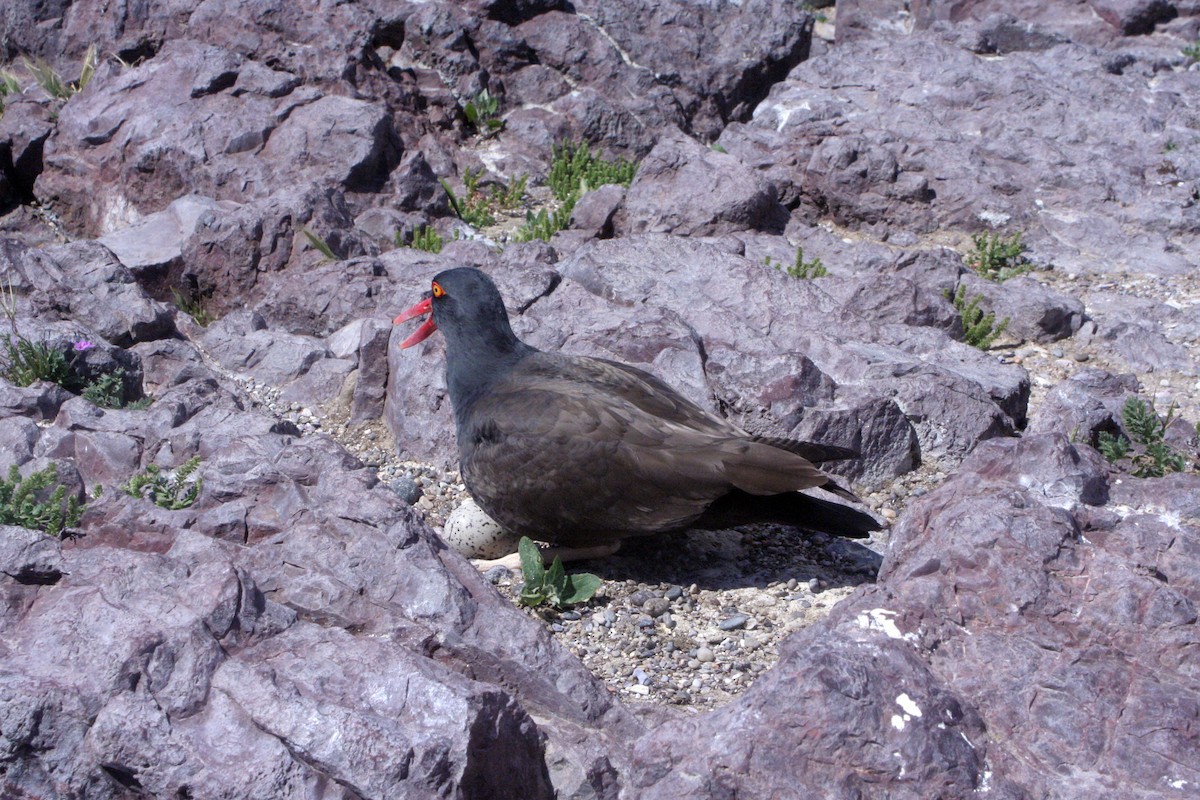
792,508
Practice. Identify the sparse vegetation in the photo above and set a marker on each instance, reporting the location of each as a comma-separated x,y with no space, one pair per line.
194,305
319,244
997,258
553,585
53,84
1192,51
8,85
472,208
170,489
423,238
979,328
477,207
804,270
481,112
574,171
25,362
19,503
1151,456
544,224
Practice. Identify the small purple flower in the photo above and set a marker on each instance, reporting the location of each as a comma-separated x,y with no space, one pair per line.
83,344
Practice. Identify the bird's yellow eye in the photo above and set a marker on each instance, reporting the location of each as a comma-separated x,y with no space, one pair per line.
438,291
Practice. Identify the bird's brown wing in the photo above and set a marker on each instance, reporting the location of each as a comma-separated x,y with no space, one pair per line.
574,455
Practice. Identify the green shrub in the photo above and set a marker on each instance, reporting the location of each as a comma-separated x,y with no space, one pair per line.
554,585
574,171
481,112
1153,457
804,270
19,504
25,362
170,489
423,238
979,328
997,258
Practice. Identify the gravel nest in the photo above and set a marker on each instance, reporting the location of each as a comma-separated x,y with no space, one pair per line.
689,620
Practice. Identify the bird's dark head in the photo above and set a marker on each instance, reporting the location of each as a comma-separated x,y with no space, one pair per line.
467,307
481,347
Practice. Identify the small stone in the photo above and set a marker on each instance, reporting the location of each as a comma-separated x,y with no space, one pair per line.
640,675
814,585
569,615
751,642
704,655
640,598
674,593
656,606
637,688
734,622
497,574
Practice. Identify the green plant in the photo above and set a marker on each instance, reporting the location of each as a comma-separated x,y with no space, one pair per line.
1170,146
52,83
1192,51
423,238
319,244
574,171
805,270
8,85
481,112
997,258
512,196
25,362
979,328
19,504
194,305
108,391
1154,457
473,207
170,489
543,224
554,585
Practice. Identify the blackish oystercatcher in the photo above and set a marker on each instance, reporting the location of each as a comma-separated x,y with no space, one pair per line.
584,451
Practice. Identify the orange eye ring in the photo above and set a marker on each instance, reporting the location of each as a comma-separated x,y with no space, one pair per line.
438,291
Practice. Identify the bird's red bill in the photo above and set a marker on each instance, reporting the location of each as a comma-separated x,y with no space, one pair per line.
422,333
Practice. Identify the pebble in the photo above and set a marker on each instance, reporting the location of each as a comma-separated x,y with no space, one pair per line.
705,656
734,622
674,593
408,489
497,574
656,606
813,585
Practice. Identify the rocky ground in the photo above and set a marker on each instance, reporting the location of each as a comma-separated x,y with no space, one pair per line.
1026,625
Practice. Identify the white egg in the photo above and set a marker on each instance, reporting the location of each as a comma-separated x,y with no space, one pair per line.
474,534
